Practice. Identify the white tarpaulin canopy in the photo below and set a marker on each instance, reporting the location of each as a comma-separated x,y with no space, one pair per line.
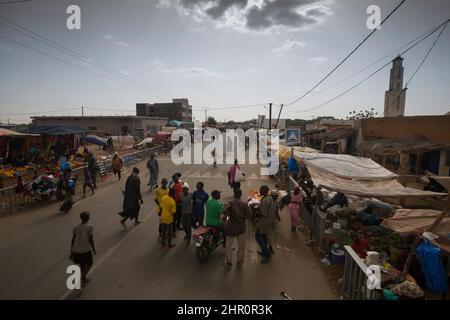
409,220
346,166
363,188
357,176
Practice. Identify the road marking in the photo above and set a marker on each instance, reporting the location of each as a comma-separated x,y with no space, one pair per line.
110,251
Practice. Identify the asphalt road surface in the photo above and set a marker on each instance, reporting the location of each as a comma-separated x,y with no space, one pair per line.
130,264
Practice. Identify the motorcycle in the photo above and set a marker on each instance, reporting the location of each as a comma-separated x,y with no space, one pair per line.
206,239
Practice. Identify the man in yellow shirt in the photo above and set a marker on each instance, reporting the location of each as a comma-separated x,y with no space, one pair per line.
159,194
168,209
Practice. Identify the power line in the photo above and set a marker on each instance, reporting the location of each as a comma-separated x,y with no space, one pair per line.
16,1
37,112
427,54
371,75
85,59
348,55
67,62
420,65
235,107
381,59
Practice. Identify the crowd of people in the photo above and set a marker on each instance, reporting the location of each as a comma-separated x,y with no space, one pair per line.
180,209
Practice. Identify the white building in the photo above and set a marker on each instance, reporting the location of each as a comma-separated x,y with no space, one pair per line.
395,97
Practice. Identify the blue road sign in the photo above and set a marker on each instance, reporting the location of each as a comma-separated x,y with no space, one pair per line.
292,136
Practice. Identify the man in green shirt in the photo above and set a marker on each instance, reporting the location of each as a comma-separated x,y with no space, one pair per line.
214,209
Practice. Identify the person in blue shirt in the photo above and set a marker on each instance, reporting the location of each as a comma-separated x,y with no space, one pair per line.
293,165
199,198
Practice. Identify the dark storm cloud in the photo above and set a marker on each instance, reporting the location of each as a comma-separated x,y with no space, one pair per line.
271,13
219,9
282,13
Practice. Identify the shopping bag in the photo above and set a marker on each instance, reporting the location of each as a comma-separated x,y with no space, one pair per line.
239,176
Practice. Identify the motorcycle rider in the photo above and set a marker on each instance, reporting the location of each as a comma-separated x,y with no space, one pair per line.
214,209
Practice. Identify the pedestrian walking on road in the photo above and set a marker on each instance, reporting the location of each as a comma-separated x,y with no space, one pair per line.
87,181
238,212
159,194
186,211
153,167
264,225
93,168
117,164
133,198
276,219
169,208
213,155
235,176
199,198
82,246
295,207
177,185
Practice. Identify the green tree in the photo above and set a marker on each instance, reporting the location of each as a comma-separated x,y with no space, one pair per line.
362,114
211,121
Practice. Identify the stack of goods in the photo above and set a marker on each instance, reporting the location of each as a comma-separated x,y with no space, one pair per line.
102,169
44,185
254,197
8,171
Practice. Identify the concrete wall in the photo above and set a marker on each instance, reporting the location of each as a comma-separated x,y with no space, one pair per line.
112,125
435,128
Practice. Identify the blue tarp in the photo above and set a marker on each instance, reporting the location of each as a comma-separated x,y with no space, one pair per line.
94,140
55,130
432,267
174,123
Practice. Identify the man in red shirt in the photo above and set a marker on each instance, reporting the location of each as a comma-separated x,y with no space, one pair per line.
360,245
177,185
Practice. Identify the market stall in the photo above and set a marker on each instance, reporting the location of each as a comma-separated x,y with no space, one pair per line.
351,214
17,153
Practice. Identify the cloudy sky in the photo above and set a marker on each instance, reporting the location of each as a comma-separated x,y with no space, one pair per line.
218,54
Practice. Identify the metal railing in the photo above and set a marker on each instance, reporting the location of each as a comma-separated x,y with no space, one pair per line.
316,223
11,201
355,278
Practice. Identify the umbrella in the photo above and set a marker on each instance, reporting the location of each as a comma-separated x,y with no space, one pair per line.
95,140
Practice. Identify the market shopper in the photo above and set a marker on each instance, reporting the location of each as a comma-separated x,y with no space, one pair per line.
82,246
93,168
133,198
159,194
264,224
87,181
233,179
295,207
276,219
186,211
153,167
199,199
117,164
177,185
168,209
238,212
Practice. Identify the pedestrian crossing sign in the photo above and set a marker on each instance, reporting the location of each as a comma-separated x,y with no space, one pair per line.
292,136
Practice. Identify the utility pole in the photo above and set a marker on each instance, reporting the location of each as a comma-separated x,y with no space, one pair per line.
82,111
279,114
206,115
270,116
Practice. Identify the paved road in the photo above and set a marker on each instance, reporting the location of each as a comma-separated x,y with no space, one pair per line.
34,250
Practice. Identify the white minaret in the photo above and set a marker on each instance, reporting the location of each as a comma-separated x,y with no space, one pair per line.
394,99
